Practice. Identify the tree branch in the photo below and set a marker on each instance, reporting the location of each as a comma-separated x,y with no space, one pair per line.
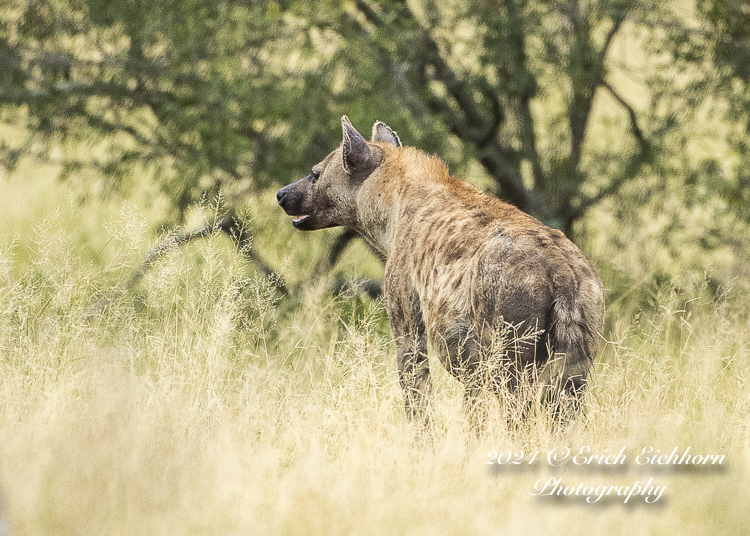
589,78
632,167
617,22
474,127
526,93
634,127
327,262
503,163
232,226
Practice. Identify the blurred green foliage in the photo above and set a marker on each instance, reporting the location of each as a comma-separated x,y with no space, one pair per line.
240,96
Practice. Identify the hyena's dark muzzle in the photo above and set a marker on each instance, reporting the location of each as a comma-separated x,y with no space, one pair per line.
296,201
291,199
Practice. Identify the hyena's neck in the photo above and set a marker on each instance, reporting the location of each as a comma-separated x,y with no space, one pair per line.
395,190
378,207
390,197
377,229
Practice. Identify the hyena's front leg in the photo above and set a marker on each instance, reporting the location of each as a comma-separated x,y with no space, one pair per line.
414,376
413,367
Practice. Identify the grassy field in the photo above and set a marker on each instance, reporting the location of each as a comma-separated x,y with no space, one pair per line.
205,402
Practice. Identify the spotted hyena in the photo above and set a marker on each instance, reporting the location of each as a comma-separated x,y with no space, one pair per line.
462,269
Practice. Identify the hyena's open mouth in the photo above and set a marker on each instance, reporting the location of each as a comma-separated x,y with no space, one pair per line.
300,220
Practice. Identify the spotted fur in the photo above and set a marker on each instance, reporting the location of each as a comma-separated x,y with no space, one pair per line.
462,269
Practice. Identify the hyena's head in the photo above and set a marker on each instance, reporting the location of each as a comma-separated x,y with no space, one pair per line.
326,197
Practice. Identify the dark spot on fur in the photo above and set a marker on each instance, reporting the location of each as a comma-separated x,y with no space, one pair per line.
426,213
396,315
453,255
483,219
543,242
416,315
558,236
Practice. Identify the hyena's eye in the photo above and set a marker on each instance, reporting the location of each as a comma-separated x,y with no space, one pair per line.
314,176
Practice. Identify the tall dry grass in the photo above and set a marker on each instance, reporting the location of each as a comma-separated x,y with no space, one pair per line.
205,403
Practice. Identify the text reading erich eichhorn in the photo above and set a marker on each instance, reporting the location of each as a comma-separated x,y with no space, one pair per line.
555,486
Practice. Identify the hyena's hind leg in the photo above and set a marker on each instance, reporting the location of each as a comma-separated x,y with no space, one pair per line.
561,387
478,389
553,388
475,406
469,362
508,353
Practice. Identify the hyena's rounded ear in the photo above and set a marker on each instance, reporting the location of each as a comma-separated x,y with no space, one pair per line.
384,134
356,154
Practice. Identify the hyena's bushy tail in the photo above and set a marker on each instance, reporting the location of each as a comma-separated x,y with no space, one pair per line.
574,325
